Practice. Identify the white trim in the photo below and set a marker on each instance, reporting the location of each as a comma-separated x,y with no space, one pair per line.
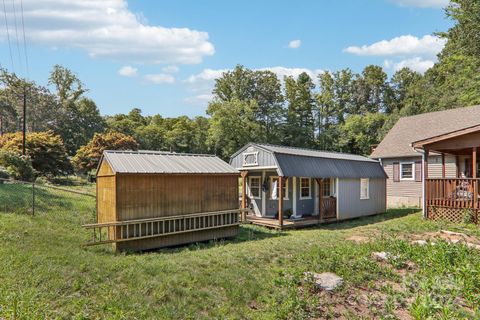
264,196
285,196
401,171
258,168
309,189
316,200
424,201
259,187
294,209
367,180
337,197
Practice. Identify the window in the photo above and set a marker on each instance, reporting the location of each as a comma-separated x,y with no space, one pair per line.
364,188
254,187
250,159
407,171
326,188
305,188
274,190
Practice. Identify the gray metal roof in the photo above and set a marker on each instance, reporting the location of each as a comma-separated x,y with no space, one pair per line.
298,162
312,152
166,163
303,166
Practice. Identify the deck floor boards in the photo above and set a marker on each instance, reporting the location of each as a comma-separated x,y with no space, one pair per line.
287,224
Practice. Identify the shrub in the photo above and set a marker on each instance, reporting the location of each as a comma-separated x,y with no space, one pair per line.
17,166
4,175
45,149
88,156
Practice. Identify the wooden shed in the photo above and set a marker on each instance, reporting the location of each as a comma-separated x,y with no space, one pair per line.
148,199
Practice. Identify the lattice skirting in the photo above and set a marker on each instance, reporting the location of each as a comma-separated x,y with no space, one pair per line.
456,215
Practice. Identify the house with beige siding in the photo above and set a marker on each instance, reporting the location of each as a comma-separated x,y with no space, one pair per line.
434,149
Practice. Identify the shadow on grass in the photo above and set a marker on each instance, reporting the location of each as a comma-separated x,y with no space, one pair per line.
364,221
246,233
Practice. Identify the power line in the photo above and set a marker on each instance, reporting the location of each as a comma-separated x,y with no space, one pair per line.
24,41
16,33
8,35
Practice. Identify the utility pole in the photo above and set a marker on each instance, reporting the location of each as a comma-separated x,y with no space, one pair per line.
24,129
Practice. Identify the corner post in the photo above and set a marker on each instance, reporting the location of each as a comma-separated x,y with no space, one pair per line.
320,198
244,194
280,201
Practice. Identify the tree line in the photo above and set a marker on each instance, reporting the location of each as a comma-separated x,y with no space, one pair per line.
337,110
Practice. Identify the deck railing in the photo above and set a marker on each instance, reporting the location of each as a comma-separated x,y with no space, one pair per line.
452,193
329,206
156,227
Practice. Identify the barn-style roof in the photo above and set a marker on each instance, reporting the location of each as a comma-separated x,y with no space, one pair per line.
398,141
299,162
165,163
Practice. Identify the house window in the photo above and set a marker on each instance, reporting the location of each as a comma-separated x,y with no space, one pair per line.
326,186
407,171
274,187
305,188
254,187
364,188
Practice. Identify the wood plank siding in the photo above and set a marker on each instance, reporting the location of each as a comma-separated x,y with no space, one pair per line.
409,192
143,196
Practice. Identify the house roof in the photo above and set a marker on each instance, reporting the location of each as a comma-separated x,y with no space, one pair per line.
299,162
166,163
397,143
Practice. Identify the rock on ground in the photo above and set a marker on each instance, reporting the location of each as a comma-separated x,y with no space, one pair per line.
325,281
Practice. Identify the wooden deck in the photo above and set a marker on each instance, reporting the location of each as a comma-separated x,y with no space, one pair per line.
287,223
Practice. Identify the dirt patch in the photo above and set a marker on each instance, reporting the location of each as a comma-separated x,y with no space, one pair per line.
358,239
446,235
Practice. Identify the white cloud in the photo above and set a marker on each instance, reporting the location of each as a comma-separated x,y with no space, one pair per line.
401,46
283,72
200,99
294,44
422,3
170,69
206,75
109,29
128,71
159,78
417,64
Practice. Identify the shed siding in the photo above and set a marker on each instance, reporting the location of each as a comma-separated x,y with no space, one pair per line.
141,196
106,194
264,158
408,192
351,206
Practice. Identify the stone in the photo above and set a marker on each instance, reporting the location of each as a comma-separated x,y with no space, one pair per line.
451,233
420,242
473,245
327,281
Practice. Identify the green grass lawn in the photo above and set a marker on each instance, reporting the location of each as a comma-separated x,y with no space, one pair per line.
45,273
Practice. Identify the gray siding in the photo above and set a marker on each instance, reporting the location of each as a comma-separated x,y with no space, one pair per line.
351,206
409,188
265,158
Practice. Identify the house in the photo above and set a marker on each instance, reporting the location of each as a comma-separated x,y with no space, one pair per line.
431,161
148,199
286,186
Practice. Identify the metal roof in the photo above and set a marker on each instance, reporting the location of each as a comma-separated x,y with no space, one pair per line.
312,153
290,165
166,163
299,162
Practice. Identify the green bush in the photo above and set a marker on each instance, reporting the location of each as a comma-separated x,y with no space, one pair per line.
18,167
4,175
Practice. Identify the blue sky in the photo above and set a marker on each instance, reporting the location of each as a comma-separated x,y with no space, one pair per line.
163,56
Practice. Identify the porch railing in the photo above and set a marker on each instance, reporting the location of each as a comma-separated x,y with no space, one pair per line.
452,193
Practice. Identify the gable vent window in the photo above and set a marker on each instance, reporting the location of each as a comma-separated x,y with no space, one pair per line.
250,159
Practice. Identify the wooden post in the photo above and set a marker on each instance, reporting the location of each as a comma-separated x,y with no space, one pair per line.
443,177
474,176
244,194
320,198
457,163
280,201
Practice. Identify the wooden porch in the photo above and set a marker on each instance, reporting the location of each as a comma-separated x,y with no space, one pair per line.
303,222
452,199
